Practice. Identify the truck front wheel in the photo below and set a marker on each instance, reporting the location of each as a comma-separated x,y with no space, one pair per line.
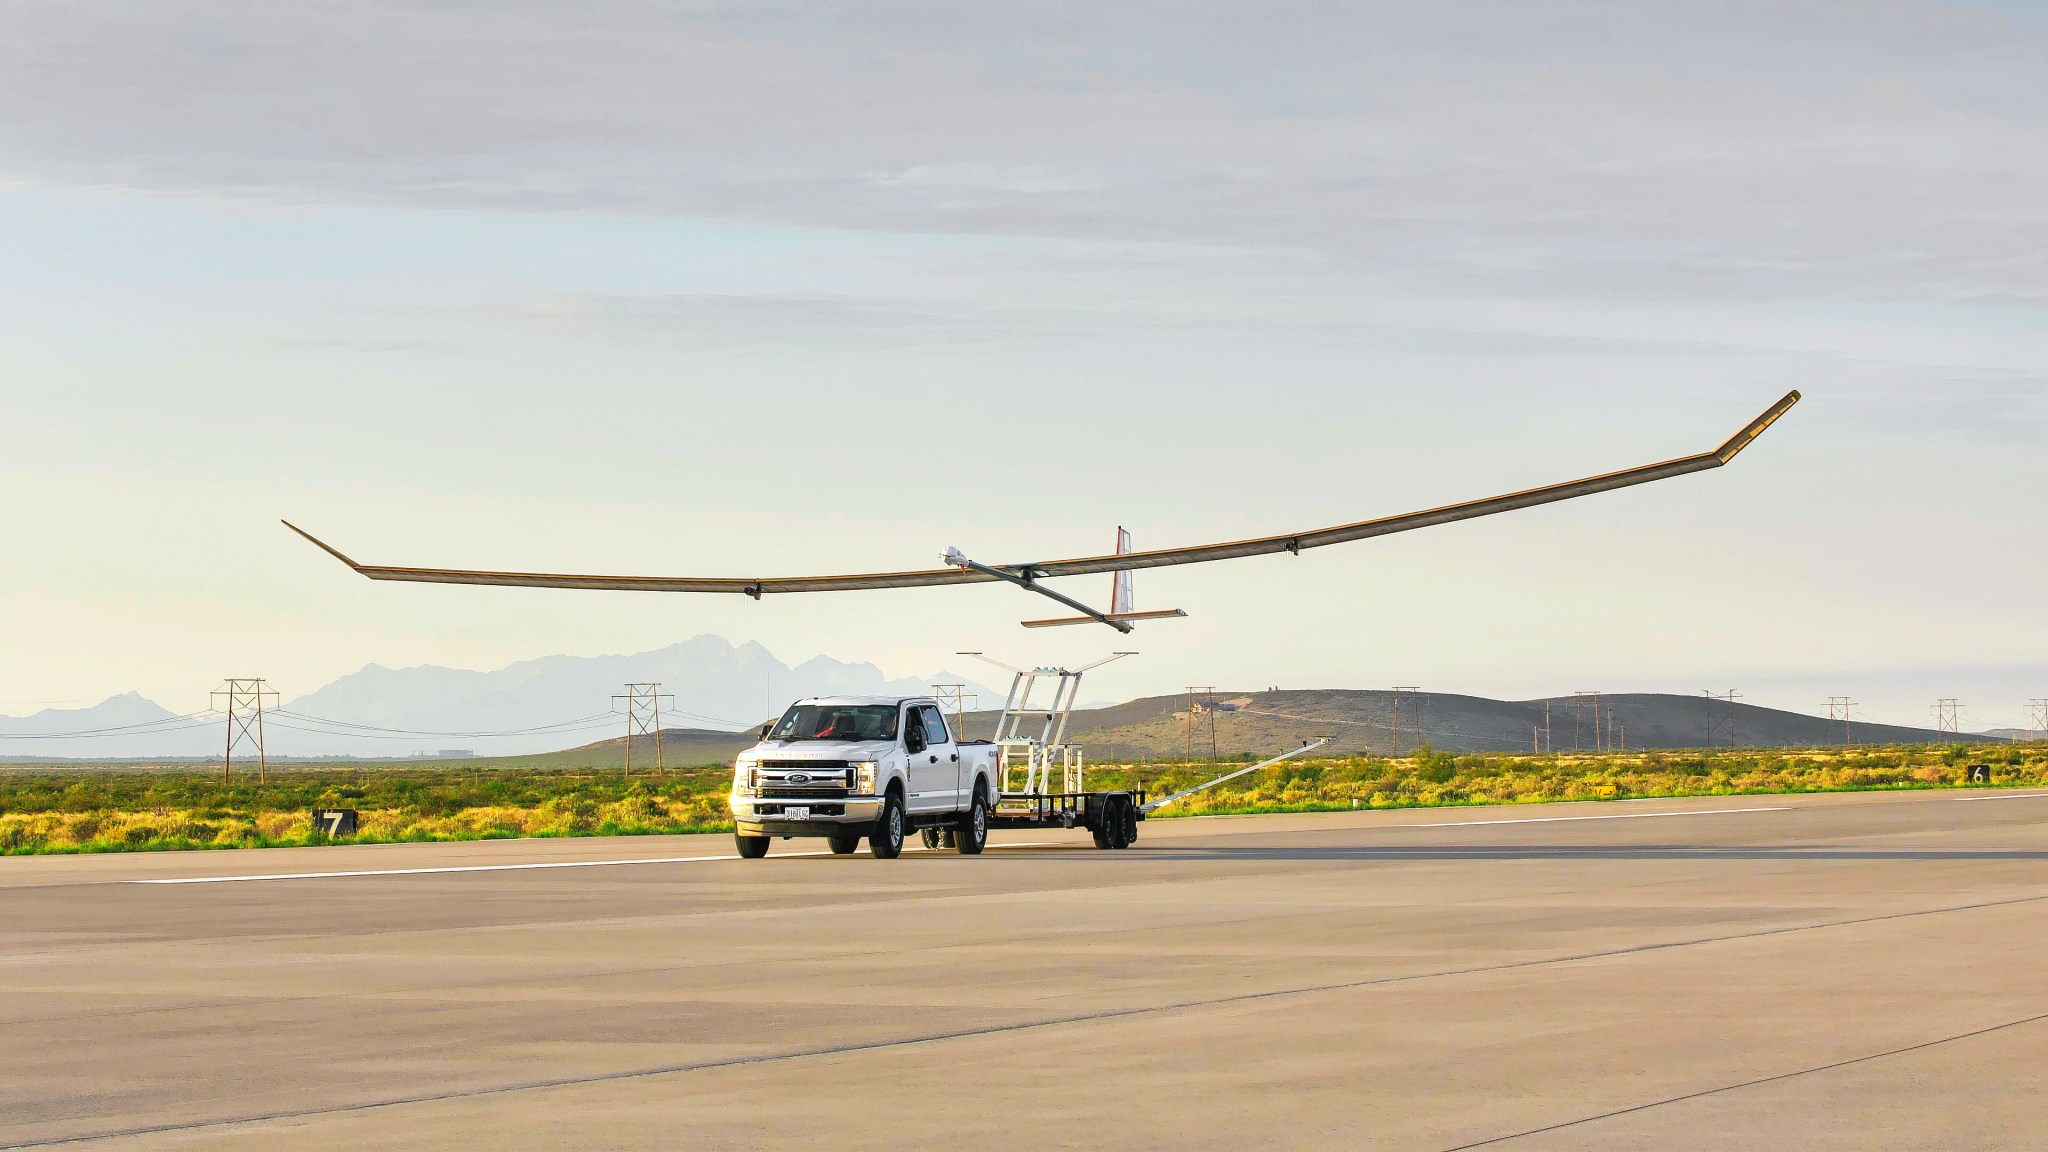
751,847
843,845
886,841
972,835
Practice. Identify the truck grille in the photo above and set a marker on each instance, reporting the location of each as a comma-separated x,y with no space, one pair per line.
815,767
805,779
776,791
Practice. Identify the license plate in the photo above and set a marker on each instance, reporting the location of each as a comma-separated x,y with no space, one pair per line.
796,813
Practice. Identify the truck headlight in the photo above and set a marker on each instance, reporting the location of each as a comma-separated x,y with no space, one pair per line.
746,781
864,778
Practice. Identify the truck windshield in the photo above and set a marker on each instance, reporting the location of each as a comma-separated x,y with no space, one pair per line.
836,722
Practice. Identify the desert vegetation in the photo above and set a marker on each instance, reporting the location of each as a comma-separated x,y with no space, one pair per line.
46,810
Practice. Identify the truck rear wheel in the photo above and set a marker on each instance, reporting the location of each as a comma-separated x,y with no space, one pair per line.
843,845
886,841
751,847
972,835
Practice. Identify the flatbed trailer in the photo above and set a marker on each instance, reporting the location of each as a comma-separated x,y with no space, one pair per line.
1027,764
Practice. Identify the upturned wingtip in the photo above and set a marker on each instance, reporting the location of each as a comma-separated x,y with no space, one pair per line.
322,545
1756,427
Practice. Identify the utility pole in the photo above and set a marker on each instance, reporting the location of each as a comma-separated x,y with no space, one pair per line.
1945,711
245,722
643,718
1838,709
1414,694
1580,701
1547,745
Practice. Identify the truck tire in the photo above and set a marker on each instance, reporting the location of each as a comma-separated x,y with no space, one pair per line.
972,835
886,841
843,845
751,847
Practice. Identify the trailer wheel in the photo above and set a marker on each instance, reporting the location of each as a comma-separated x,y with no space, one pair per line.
930,836
1117,817
1130,813
972,835
886,841
751,847
1099,829
843,845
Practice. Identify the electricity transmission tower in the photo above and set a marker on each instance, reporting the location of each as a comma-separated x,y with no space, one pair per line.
245,722
956,699
1201,710
1414,696
1946,710
643,718
2037,712
1723,721
1838,709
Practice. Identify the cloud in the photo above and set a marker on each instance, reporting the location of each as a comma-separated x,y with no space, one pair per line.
718,318
1610,151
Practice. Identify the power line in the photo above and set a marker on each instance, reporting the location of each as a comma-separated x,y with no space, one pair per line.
142,728
580,721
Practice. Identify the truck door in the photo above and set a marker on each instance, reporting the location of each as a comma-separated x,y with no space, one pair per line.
933,772
943,742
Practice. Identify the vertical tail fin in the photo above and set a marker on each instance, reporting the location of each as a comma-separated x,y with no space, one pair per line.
1120,597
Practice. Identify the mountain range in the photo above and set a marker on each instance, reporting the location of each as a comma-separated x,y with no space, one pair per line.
531,706
720,690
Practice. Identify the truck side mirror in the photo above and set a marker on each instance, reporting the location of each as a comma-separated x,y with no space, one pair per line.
767,728
913,740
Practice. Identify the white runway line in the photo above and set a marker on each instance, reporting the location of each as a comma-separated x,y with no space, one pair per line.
490,867
2014,796
1615,816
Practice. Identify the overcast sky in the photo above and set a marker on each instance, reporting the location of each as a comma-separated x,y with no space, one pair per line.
803,287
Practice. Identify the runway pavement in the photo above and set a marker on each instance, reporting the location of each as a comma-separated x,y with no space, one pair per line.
1834,972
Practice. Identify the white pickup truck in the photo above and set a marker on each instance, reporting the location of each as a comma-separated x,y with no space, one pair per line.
847,767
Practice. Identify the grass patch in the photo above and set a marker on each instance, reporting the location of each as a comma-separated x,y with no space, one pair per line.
151,810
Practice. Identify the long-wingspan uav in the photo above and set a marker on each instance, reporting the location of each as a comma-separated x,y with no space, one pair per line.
960,569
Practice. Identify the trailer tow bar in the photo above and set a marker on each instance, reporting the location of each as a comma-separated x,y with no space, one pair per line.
1163,801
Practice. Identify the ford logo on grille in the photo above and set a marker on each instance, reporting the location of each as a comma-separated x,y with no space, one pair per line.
799,778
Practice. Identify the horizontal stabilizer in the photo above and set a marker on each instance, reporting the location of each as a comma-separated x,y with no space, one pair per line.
1126,617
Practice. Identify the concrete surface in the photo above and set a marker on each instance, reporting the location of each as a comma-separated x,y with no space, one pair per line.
1836,972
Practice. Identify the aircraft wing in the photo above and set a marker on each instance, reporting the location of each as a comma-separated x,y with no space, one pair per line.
1114,562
